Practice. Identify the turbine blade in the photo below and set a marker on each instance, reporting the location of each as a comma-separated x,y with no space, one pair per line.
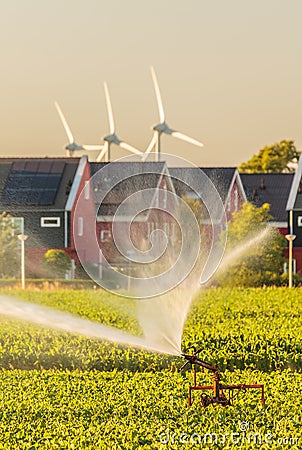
186,138
65,124
92,147
130,148
150,147
103,152
109,110
158,96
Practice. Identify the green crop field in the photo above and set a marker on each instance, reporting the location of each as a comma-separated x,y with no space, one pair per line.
64,391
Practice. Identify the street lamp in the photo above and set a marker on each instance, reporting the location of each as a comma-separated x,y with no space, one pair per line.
22,238
290,238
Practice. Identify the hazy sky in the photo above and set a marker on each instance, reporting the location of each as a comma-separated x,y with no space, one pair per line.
230,74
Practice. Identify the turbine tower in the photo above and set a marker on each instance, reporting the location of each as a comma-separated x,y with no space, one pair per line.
112,138
162,126
72,147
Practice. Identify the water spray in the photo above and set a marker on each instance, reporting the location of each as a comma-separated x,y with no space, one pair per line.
158,286
219,397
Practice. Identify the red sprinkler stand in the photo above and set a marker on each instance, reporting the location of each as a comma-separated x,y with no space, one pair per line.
218,397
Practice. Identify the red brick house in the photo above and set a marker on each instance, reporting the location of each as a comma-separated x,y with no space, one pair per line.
114,183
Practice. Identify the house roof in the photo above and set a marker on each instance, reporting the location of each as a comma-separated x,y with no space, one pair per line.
124,169
272,188
221,177
36,182
114,182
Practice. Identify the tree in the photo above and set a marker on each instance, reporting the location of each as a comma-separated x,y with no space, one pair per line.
254,250
279,157
9,256
196,207
56,262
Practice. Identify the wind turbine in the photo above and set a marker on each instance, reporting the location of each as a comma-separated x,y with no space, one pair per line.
162,127
72,146
112,138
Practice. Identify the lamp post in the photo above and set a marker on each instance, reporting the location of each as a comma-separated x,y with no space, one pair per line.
290,238
22,238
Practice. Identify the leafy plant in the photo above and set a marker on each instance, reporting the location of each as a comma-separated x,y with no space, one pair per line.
60,391
57,263
260,249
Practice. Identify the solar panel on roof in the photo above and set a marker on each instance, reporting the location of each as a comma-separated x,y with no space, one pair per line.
33,183
8,196
47,197
52,181
15,182
31,166
44,166
19,165
33,197
57,167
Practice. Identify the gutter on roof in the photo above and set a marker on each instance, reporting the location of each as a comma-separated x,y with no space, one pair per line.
168,175
33,208
240,184
236,174
228,194
294,187
277,224
76,183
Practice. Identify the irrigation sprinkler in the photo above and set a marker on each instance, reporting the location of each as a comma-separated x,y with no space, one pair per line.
219,397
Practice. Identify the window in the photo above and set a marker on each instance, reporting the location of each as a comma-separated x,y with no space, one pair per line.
87,190
286,265
80,226
18,225
50,222
105,236
299,220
